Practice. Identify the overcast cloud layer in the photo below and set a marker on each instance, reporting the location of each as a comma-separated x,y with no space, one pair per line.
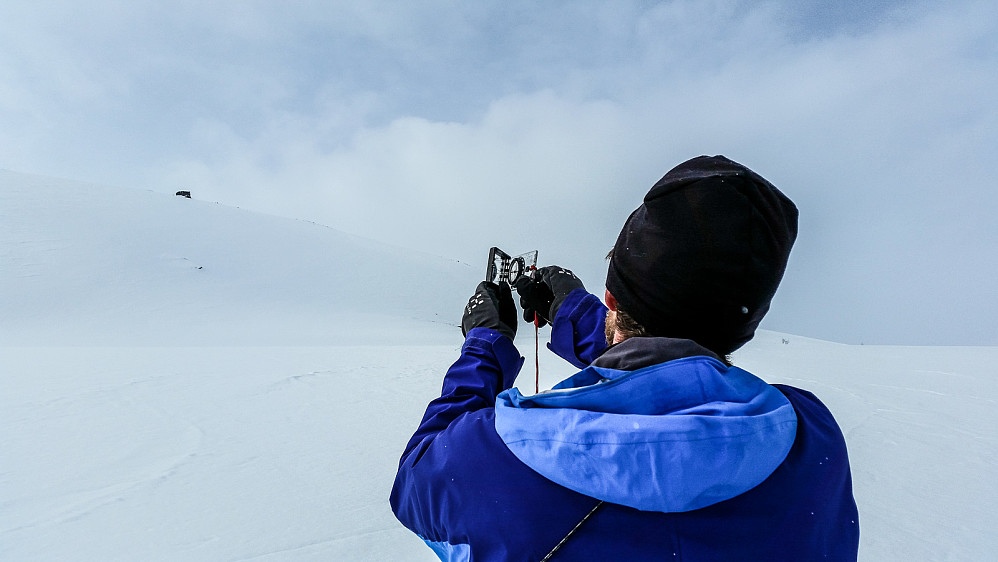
452,126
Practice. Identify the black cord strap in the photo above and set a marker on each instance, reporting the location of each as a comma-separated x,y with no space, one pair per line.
570,533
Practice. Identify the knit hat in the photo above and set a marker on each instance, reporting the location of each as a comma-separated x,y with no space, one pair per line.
701,258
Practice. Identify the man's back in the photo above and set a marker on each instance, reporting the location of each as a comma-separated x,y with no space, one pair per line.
463,486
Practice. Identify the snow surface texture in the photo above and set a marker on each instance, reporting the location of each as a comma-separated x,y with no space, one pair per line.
187,381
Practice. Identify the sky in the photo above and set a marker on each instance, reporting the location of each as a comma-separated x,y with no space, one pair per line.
449,127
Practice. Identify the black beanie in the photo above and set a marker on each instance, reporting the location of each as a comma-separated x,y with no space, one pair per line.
701,258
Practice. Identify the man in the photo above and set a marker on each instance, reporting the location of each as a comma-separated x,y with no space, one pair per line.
658,449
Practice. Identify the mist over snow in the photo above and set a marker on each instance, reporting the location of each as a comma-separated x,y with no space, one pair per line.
94,265
451,127
185,380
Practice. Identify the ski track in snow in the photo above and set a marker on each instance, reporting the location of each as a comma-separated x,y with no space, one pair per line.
76,504
323,544
316,447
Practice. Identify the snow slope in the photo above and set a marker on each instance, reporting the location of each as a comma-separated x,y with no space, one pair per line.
94,265
187,381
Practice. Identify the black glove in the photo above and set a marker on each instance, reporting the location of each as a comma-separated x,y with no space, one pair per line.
544,293
491,307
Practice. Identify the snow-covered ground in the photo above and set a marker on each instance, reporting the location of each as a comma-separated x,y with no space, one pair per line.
187,381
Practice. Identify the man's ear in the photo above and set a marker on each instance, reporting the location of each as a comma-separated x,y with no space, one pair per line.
611,302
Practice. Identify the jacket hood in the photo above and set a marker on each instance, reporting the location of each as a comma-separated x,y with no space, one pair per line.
670,437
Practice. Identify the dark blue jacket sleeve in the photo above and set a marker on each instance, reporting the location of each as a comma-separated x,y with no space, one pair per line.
577,333
460,488
488,365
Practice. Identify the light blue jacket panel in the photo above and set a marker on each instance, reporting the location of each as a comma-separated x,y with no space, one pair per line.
671,437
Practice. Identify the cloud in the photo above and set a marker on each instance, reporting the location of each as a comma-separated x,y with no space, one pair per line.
452,128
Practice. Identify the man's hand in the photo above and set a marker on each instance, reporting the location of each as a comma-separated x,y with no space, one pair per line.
545,292
492,307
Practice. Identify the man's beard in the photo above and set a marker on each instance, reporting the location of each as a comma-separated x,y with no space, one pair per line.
611,327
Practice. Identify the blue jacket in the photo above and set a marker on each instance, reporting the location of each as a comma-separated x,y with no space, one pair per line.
691,459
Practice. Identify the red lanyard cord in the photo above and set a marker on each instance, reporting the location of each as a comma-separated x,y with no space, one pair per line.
537,354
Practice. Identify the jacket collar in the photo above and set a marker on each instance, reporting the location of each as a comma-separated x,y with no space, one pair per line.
636,353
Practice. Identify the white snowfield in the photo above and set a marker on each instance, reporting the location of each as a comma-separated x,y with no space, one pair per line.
187,381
